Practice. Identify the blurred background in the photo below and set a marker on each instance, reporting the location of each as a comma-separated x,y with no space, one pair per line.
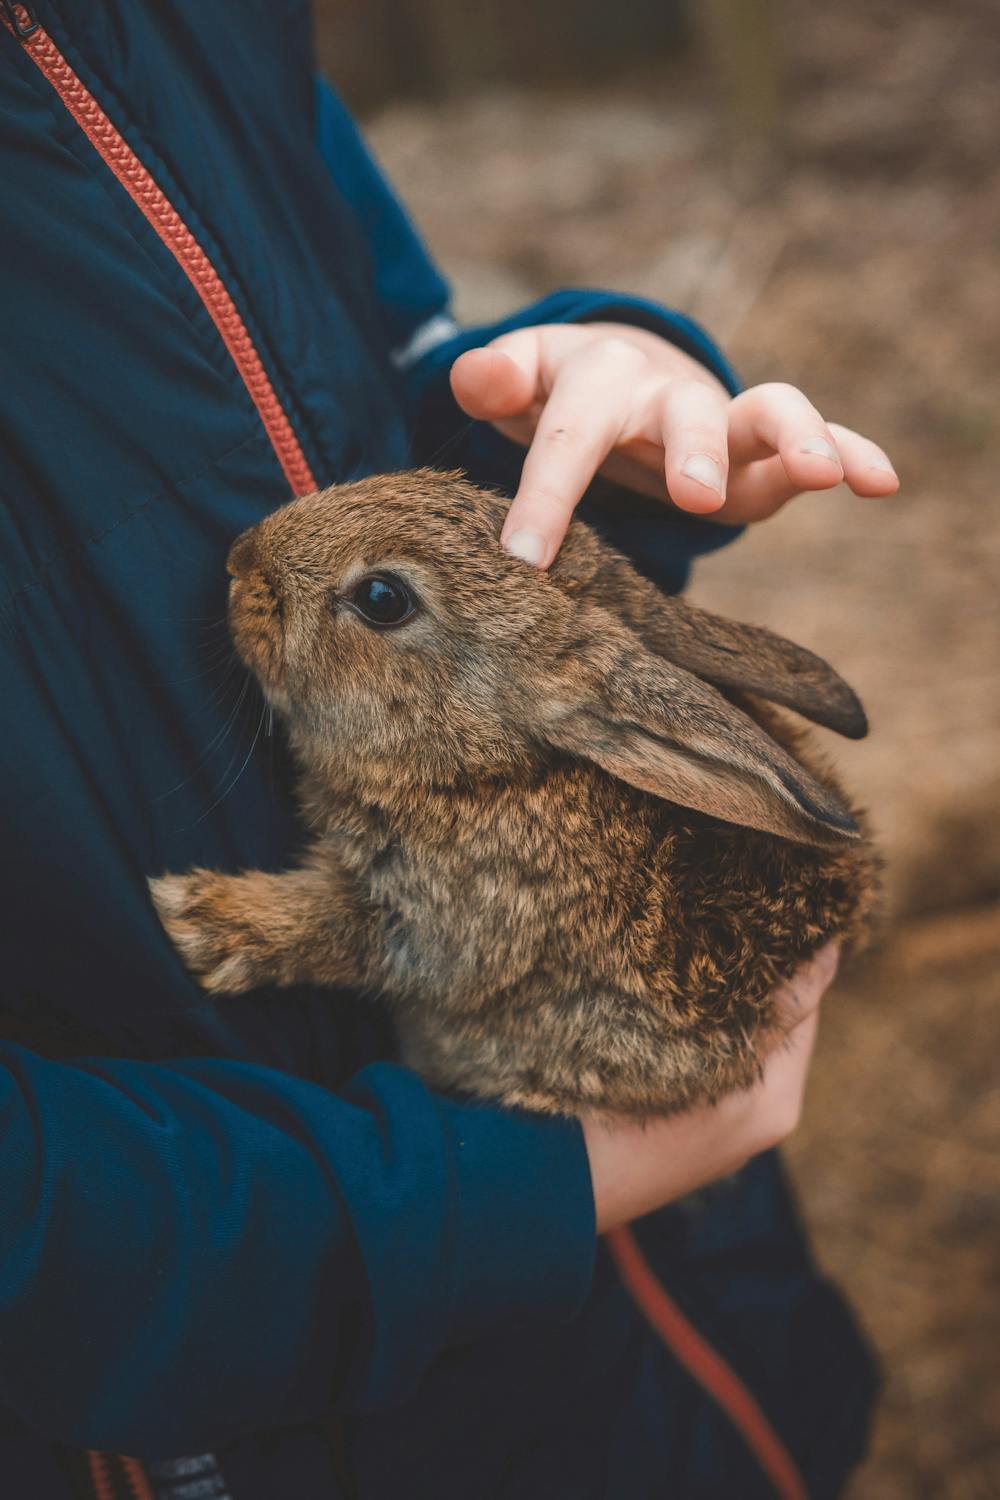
820,185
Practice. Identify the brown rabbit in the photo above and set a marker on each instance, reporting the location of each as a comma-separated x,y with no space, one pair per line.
548,824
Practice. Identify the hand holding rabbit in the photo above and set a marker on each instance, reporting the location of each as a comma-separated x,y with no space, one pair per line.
636,1168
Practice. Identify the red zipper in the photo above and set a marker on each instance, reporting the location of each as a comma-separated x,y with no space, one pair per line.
705,1365
156,207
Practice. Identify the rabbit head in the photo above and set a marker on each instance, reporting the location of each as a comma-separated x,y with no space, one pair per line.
402,645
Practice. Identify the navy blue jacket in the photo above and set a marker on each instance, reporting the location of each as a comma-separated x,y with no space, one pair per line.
243,1229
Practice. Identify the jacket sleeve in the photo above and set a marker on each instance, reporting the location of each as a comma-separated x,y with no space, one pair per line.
197,1250
424,341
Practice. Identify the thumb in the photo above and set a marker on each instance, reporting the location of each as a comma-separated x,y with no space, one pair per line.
800,995
489,385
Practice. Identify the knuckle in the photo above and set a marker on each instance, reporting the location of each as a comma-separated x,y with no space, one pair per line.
616,348
698,412
609,362
778,391
692,389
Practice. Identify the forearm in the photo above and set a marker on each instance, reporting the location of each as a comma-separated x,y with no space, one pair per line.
197,1249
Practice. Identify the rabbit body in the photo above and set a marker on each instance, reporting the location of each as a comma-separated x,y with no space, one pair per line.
498,851
567,941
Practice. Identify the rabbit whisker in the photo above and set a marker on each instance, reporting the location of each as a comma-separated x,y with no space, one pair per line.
246,761
217,739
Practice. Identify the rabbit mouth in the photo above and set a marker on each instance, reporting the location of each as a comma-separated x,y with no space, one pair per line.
257,626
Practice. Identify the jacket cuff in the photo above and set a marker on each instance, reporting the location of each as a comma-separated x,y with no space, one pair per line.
525,1231
495,1222
570,306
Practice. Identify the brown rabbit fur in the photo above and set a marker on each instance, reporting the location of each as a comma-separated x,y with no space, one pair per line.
576,868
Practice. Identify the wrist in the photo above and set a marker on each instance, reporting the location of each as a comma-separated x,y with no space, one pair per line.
639,1166
636,1167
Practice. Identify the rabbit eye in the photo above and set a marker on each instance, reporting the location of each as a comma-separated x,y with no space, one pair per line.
382,600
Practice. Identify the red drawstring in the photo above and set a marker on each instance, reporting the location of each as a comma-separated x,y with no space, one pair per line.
705,1366
100,1476
701,1361
102,1479
138,1479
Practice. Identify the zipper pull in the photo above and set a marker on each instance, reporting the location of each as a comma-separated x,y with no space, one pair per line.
21,19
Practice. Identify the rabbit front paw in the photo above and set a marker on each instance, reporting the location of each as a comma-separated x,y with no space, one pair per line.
208,923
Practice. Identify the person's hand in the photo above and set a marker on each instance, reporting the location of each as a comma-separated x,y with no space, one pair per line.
636,1168
605,397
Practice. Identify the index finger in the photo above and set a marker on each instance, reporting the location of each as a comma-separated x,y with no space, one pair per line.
577,429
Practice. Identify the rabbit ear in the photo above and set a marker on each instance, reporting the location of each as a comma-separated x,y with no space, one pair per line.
754,660
659,728
725,652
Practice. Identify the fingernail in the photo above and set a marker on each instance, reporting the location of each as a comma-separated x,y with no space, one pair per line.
822,449
884,466
704,470
527,545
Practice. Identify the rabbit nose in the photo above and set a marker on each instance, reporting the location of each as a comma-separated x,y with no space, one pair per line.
242,555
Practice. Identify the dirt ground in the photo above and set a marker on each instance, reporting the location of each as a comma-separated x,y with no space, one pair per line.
898,1165
858,257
